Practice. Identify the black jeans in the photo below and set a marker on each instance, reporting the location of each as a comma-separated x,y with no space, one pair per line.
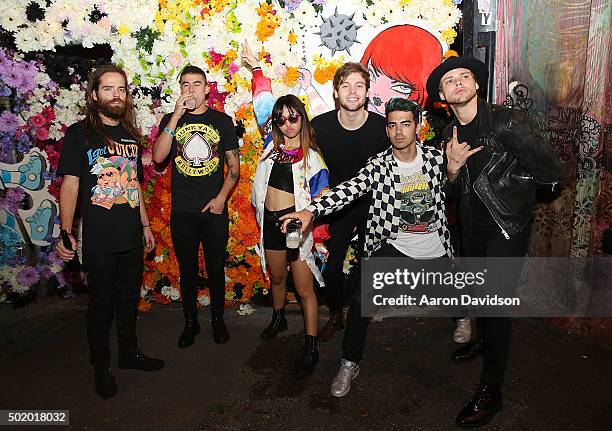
113,281
189,230
496,332
356,326
342,227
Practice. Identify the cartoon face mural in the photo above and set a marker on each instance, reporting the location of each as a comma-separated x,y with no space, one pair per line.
400,59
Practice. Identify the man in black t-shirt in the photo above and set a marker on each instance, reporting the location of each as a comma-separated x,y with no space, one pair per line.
347,137
100,161
199,140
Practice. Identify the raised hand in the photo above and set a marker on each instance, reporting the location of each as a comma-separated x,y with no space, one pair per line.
181,104
458,153
305,79
247,56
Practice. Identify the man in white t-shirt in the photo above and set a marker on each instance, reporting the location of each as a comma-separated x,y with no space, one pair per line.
406,216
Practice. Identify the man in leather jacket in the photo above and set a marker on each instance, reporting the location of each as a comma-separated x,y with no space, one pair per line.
496,158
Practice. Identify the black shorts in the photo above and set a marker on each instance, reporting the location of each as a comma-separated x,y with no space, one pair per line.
273,238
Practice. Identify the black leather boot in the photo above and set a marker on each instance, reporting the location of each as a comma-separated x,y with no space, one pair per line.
219,329
311,355
485,403
139,361
469,351
106,387
278,324
192,328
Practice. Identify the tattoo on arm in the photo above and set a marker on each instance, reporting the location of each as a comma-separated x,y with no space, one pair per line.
233,175
234,153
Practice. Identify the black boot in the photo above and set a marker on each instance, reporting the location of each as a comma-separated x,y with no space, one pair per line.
106,386
278,324
219,329
311,355
469,351
139,361
192,328
485,403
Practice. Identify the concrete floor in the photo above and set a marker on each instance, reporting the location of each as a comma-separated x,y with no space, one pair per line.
555,380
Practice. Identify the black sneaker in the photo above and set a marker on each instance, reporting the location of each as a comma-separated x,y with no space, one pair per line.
140,361
106,387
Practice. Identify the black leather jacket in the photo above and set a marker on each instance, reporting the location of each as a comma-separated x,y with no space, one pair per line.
520,159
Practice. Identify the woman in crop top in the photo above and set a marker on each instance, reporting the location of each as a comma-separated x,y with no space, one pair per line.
290,173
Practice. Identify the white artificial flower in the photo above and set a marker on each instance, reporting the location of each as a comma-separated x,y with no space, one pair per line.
374,16
12,15
245,309
305,13
204,300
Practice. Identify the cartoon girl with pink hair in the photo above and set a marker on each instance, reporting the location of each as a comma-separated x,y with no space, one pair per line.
400,59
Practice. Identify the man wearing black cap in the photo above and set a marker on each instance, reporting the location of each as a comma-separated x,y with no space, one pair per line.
495,157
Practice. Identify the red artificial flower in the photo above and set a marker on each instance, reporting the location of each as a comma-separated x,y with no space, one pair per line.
42,134
37,120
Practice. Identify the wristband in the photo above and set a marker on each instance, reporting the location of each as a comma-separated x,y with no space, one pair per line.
146,225
170,132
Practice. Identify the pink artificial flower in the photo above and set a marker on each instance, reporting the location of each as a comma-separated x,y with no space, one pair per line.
233,68
175,59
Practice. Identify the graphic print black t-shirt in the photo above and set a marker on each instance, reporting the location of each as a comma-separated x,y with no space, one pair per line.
198,155
108,186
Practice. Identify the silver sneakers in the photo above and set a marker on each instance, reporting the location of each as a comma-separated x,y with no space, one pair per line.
342,383
463,332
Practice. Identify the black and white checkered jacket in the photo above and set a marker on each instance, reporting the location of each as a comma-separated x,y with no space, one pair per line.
381,176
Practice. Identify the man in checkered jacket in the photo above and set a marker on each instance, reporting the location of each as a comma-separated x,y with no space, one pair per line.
406,216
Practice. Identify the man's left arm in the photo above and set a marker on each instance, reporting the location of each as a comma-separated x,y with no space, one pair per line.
524,139
217,204
147,233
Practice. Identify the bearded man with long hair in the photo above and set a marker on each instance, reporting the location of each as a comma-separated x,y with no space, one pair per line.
95,154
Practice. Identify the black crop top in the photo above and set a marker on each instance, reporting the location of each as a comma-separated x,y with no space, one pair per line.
281,177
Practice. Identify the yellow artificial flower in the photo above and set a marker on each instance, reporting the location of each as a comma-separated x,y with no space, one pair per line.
449,35
292,38
123,30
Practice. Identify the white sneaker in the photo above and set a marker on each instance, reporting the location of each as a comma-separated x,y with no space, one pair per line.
342,383
463,332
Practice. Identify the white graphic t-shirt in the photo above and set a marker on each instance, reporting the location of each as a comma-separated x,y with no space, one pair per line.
418,237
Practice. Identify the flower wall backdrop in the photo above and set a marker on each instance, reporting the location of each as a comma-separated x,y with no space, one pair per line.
300,44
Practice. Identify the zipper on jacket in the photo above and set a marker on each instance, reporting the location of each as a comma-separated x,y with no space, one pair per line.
493,216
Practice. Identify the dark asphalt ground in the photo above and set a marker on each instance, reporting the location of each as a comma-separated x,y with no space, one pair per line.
555,380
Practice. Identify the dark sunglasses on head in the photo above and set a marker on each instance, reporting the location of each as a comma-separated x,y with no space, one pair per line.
293,118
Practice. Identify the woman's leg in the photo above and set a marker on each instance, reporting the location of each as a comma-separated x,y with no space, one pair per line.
277,266
302,278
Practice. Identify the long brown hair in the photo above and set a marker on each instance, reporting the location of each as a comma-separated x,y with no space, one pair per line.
92,115
307,135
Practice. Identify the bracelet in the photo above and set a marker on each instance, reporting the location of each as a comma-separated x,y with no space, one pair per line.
146,225
170,132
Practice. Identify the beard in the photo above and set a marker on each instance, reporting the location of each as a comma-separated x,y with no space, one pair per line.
116,112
